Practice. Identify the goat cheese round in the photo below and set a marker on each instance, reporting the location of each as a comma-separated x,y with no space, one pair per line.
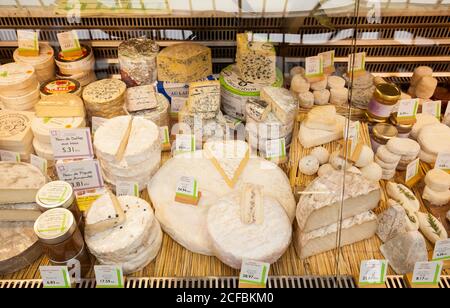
299,84
403,146
365,157
387,156
372,172
325,169
308,165
322,154
435,139
438,180
422,120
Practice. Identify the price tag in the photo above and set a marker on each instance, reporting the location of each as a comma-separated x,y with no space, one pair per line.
176,105
96,123
373,272
441,250
83,174
28,43
433,108
407,111
356,62
427,272
254,274
127,189
276,149
141,98
187,187
412,175
39,163
328,61
55,277
71,143
109,276
443,161
70,44
184,143
9,156
313,67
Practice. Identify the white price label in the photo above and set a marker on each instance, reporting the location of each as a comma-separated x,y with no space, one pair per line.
109,276
96,123
442,250
443,161
27,41
433,108
313,66
54,277
39,163
9,156
427,272
71,143
352,134
412,170
141,98
127,189
407,108
187,187
276,148
357,62
328,60
184,143
177,104
69,41
164,135
83,174
373,272
254,272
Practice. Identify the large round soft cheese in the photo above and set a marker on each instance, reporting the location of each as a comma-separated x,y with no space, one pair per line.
422,120
41,127
186,224
28,98
435,139
234,241
15,76
41,62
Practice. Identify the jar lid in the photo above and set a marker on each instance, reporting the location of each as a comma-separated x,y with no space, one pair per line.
402,126
384,131
55,226
388,92
60,86
57,194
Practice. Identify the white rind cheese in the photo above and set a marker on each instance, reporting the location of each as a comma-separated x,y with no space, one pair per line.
314,137
283,103
41,126
435,139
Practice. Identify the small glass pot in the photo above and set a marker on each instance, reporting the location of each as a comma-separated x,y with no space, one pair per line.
381,134
384,99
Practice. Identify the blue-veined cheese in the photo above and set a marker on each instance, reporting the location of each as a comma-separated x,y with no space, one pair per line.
177,89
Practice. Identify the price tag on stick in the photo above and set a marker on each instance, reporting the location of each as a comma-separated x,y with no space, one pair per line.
426,274
442,252
109,276
28,43
373,273
9,156
413,174
254,274
70,44
55,277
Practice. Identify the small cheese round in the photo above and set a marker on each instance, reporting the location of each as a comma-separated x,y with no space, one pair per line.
387,174
387,156
321,154
339,96
325,169
335,82
308,165
354,170
438,180
372,172
321,97
426,87
365,158
297,70
427,157
299,84
319,85
339,162
422,120
385,165
435,138
403,146
306,99
419,73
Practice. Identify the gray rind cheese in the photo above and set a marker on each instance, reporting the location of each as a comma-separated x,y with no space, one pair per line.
392,222
320,202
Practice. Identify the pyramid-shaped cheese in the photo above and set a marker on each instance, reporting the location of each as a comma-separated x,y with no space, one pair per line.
229,158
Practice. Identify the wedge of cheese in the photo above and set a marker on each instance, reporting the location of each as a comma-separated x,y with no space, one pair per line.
321,117
282,102
105,213
113,144
19,212
310,137
60,106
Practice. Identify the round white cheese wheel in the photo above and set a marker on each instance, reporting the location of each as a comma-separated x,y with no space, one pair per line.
339,162
438,180
422,120
387,174
419,73
435,139
186,224
21,100
325,169
299,84
234,241
387,156
427,157
41,127
372,172
322,154
308,165
306,100
335,82
297,70
159,115
321,97
43,150
384,164
271,128
41,62
403,146
425,87
319,85
15,76
339,96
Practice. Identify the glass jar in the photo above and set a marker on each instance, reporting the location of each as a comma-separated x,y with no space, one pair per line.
403,129
384,99
62,241
381,134
59,194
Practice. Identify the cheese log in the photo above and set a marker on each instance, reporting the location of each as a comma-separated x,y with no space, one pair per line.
60,106
105,213
321,117
431,228
234,241
403,195
184,63
314,137
320,205
283,104
354,229
19,182
19,212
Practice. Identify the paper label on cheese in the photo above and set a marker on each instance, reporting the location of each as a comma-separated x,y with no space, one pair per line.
187,187
109,276
413,174
141,98
427,272
184,143
443,161
71,143
70,44
124,188
407,110
328,61
28,43
176,105
313,67
83,174
276,149
85,198
356,62
9,156
54,277
96,123
39,163
433,108
441,250
60,86
253,274
373,272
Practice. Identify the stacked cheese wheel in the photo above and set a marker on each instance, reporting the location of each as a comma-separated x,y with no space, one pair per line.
19,86
159,115
105,98
79,68
134,243
407,149
44,64
423,84
60,86
437,187
129,149
15,132
433,139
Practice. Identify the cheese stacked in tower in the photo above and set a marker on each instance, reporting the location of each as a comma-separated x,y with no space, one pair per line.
129,149
44,63
105,98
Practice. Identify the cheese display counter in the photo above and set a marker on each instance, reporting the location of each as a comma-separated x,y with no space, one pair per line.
194,140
